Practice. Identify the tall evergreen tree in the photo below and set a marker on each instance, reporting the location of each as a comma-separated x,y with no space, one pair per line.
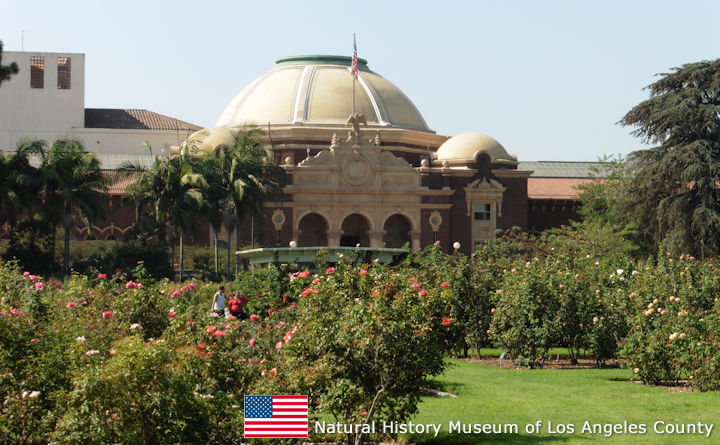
6,70
674,196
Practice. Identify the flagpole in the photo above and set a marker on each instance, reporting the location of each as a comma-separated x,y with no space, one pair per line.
354,75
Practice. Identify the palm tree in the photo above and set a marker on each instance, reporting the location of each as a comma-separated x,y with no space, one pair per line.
74,187
251,180
172,191
19,181
210,167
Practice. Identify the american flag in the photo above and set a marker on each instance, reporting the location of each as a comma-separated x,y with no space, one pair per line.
354,65
276,416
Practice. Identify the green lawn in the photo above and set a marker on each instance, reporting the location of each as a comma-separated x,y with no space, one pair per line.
600,396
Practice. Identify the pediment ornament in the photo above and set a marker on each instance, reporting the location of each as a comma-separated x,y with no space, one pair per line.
484,190
323,159
387,159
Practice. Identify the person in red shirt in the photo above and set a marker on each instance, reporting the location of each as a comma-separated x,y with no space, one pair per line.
236,304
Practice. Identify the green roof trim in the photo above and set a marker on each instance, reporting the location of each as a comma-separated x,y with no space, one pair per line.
320,60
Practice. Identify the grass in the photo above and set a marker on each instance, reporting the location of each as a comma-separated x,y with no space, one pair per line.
600,396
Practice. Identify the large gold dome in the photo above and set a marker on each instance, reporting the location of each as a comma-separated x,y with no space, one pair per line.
317,91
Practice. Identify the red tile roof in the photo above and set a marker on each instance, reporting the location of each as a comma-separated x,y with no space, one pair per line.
555,188
119,183
116,118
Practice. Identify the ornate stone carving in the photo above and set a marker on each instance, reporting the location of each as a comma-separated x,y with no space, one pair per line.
354,134
484,190
278,219
356,170
435,220
323,159
387,159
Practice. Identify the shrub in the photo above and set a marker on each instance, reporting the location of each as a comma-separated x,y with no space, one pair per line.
525,320
674,334
126,257
137,395
31,245
367,338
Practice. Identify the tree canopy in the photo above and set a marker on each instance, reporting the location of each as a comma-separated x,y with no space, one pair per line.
673,195
6,70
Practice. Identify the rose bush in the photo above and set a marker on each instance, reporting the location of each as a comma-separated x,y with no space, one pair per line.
674,332
367,338
106,358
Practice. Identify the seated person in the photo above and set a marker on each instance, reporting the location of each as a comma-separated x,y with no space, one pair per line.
236,305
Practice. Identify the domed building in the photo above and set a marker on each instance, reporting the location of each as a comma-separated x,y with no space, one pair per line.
378,178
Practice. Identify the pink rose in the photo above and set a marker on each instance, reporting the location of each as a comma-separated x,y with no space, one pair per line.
33,277
445,284
254,317
252,342
107,314
191,286
102,276
278,345
39,286
172,314
26,274
71,304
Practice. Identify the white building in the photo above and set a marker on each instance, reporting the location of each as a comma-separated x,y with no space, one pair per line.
46,100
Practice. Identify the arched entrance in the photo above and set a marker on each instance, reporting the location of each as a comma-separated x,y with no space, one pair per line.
355,231
312,231
396,232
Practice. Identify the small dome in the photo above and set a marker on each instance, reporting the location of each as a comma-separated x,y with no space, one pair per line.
210,139
318,90
466,147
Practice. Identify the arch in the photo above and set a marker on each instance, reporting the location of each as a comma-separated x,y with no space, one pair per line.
312,228
484,164
397,231
355,230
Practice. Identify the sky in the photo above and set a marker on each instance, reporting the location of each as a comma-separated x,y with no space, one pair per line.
548,79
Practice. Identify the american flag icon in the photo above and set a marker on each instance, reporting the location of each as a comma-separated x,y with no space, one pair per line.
276,416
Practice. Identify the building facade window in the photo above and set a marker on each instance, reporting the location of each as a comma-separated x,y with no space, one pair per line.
63,66
37,72
481,212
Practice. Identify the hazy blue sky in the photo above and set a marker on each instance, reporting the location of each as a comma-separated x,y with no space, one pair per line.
548,79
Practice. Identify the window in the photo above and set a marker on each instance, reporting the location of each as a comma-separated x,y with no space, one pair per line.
63,73
481,212
37,72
